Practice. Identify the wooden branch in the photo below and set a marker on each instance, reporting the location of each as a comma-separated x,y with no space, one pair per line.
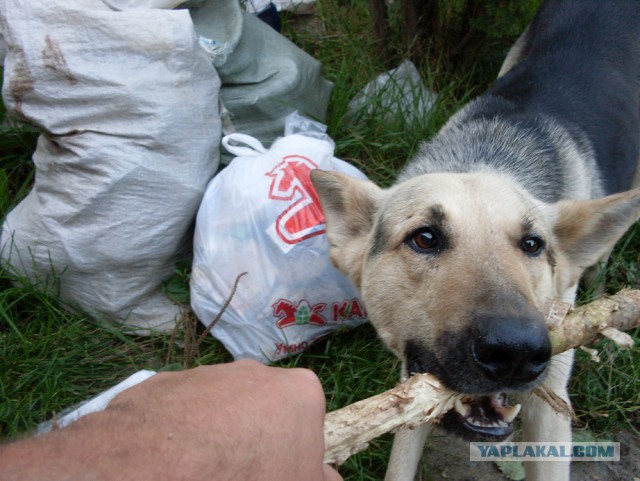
585,324
423,399
418,400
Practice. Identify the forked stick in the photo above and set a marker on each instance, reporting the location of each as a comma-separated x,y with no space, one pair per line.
423,399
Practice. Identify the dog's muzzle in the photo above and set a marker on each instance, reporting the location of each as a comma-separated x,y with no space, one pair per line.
498,355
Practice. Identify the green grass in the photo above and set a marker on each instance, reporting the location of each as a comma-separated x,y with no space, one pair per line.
52,358
606,395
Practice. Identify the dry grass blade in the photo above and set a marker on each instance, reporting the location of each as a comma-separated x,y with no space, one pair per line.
215,320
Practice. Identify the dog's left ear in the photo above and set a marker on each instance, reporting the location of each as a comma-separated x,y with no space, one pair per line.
587,230
349,206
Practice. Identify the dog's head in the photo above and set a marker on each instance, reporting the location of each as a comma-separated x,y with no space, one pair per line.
454,268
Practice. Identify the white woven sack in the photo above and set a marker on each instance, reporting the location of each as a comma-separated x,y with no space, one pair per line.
127,102
261,216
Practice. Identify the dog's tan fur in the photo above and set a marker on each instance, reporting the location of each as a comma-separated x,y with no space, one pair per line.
485,216
409,296
457,281
513,165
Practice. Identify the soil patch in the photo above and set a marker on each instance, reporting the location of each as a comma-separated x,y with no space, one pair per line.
447,459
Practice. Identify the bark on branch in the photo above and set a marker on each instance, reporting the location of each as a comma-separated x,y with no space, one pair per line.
423,399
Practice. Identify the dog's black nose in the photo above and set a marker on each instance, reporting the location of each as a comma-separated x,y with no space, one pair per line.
511,350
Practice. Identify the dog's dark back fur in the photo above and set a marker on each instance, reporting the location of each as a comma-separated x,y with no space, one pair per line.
570,93
585,84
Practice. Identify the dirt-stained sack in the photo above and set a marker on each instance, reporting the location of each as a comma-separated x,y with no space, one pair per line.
127,103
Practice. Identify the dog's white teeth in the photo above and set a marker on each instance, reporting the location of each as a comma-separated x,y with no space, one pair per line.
488,424
510,414
477,415
476,422
460,408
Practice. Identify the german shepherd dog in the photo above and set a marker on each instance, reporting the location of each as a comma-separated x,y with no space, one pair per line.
524,189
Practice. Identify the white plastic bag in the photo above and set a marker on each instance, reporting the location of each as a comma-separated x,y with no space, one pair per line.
261,215
399,93
127,102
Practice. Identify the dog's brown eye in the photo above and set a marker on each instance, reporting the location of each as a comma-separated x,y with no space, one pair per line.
423,240
532,245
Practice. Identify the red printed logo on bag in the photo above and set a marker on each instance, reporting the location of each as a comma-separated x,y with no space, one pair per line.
303,218
290,313
347,310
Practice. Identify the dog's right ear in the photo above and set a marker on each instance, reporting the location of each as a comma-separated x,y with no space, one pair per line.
587,230
349,205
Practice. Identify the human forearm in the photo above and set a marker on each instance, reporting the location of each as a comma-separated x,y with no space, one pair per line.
90,449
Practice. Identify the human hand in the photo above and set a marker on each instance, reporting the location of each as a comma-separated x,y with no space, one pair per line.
239,422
